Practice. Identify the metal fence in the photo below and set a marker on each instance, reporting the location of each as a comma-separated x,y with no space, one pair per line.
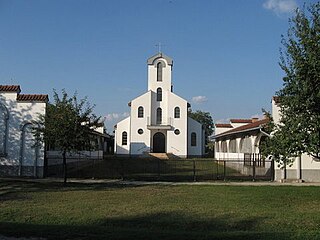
152,169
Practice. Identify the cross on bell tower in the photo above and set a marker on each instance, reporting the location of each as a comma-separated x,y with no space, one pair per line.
159,45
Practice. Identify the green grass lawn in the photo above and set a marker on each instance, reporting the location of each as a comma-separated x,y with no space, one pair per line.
106,211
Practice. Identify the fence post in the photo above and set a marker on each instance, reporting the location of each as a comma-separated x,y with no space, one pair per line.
217,163
224,170
194,170
93,168
253,170
158,169
272,171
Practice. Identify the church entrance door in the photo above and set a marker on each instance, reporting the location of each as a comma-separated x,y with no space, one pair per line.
159,143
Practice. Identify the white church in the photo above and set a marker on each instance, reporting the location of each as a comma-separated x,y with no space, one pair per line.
158,121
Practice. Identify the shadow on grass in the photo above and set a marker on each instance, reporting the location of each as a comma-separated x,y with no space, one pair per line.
152,226
158,225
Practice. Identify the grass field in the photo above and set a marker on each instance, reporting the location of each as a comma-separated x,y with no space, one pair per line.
106,211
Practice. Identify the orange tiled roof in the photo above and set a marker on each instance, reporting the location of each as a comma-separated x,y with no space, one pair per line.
32,97
223,125
10,88
241,120
246,127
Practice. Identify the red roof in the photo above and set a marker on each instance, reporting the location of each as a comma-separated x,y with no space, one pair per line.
32,97
223,125
246,127
241,120
10,88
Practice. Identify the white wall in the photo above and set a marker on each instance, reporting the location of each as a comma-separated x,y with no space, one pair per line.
194,126
219,130
140,143
177,144
275,112
19,147
122,126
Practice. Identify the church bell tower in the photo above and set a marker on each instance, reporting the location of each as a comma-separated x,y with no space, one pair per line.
159,72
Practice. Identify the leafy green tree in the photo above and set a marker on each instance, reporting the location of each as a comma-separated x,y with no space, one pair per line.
68,125
299,128
205,119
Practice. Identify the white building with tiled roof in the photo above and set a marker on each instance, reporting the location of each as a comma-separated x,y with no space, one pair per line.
158,121
18,113
239,137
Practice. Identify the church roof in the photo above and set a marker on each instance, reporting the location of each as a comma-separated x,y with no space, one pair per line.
159,55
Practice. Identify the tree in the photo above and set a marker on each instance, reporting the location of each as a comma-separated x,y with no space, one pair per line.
205,119
299,128
68,125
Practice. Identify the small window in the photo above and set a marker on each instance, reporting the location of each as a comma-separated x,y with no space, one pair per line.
159,71
176,112
140,131
177,132
159,115
140,112
124,138
193,139
159,94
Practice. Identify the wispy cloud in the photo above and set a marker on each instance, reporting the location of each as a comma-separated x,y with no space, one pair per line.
199,99
115,116
280,6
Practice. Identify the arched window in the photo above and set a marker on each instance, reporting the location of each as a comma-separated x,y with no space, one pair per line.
193,139
176,112
4,116
159,115
124,138
159,71
140,112
159,94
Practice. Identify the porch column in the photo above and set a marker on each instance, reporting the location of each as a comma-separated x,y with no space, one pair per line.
238,146
228,141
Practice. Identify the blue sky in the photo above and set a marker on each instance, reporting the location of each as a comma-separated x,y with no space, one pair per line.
225,53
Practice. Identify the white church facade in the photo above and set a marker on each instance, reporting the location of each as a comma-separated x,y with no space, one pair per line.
158,121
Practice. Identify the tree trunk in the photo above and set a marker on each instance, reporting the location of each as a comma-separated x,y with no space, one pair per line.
64,167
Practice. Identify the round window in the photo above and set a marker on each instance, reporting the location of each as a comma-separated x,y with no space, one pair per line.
177,132
140,131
